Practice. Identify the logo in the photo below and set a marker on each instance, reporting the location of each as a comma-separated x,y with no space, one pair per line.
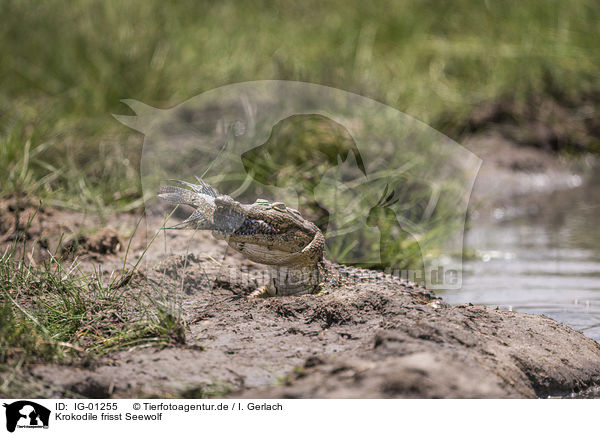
380,185
25,414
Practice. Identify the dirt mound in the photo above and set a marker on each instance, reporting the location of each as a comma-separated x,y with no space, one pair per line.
362,340
457,352
358,340
22,219
558,124
106,241
41,231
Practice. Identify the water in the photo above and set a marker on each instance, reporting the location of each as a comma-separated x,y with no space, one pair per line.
545,260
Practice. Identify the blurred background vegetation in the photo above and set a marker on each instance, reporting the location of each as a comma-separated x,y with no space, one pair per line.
66,66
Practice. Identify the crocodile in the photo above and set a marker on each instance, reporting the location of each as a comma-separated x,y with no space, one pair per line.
272,234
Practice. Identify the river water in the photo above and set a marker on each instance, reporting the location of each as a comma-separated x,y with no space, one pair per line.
545,259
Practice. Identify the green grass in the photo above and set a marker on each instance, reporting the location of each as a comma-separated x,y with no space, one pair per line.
65,69
51,313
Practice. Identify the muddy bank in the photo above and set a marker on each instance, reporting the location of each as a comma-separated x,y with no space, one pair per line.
363,340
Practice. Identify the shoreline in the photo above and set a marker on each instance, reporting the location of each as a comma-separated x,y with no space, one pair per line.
363,340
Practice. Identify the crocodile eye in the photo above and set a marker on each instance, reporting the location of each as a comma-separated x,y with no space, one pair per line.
279,206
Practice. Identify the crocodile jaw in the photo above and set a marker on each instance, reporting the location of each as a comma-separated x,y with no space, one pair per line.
267,233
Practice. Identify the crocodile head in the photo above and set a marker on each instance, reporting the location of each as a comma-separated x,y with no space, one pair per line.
267,232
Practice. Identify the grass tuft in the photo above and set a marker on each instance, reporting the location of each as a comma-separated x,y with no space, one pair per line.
51,313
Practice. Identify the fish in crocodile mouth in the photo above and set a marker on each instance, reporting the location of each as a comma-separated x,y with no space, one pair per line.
262,223
230,219
248,227
266,232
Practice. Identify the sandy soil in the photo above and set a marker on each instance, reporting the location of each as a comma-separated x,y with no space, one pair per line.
363,340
